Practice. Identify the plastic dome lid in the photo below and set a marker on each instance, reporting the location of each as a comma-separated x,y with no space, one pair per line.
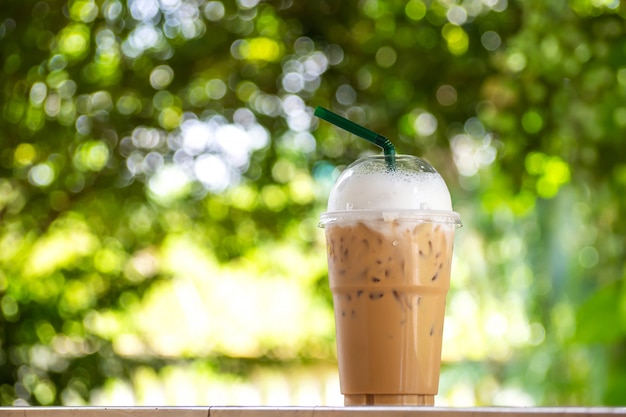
369,188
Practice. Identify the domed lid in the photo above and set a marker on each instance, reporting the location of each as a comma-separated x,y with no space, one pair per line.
412,187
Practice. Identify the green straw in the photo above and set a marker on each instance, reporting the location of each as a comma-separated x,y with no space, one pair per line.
362,132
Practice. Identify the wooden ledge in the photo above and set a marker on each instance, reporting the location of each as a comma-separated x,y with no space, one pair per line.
308,411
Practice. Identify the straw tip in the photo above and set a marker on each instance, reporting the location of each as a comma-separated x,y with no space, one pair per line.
319,111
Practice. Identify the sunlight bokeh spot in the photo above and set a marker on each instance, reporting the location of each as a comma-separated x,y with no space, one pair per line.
472,153
263,49
415,9
456,38
109,260
164,99
96,155
104,322
425,124
457,15
245,90
244,197
25,154
212,172
247,4
196,136
266,104
532,122
302,188
91,156
551,49
386,56
283,171
38,93
446,95
77,295
41,175
169,184
161,76
101,100
170,118
214,10
215,89
143,265
9,307
546,188
535,163
491,40
143,10
45,391
73,40
273,197
315,65
516,61
346,94
83,10
142,38
35,119
557,170
293,82
128,104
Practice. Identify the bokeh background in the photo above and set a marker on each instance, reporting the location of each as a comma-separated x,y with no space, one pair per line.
162,176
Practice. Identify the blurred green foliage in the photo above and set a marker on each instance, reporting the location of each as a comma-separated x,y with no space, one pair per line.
161,176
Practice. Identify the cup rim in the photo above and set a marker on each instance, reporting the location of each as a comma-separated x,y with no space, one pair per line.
400,215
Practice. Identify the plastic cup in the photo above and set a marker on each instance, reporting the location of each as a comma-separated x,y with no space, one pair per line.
389,235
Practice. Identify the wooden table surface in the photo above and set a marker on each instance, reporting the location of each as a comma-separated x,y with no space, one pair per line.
307,411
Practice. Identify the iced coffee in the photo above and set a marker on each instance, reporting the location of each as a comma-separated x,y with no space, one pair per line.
389,237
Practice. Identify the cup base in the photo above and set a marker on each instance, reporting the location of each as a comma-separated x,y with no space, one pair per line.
385,399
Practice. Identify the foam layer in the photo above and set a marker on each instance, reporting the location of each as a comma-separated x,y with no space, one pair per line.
389,191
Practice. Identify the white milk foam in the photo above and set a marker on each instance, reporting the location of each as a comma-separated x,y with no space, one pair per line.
390,191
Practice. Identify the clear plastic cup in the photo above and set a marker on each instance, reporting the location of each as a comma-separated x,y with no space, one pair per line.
389,235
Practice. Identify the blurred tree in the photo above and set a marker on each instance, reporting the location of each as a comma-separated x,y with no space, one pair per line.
155,152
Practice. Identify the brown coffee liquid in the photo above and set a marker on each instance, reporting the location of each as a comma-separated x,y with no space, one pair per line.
389,283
